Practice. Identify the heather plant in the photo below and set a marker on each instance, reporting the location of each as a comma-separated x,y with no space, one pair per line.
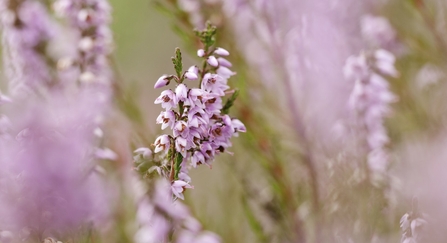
199,120
338,108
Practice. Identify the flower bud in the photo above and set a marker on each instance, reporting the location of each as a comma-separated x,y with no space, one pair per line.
161,82
222,52
201,53
212,61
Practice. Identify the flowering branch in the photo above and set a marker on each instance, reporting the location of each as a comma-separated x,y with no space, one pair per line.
197,117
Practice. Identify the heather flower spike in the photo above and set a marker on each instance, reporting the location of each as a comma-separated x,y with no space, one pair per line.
198,117
370,99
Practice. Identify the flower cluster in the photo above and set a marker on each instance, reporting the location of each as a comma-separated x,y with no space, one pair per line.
94,39
27,29
371,99
158,218
201,127
49,179
412,225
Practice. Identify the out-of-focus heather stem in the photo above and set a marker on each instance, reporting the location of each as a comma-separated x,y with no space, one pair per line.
306,154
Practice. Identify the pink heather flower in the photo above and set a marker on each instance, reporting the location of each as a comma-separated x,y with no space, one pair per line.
238,126
90,21
201,53
224,72
207,150
178,187
356,68
181,145
181,129
192,73
371,99
26,68
106,154
167,119
162,143
215,84
50,163
224,62
222,52
385,62
377,30
181,92
167,99
145,152
161,82
212,61
195,98
213,103
197,159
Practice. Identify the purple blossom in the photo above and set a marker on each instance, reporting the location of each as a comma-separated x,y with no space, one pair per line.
199,131
385,62
161,82
212,61
224,62
181,128
200,53
224,72
162,143
145,152
215,84
197,159
52,183
192,73
378,31
167,99
24,29
167,119
90,20
181,92
222,52
159,217
371,99
178,187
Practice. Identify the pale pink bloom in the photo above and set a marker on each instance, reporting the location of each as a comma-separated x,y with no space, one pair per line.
238,126
356,68
167,99
105,153
145,152
162,143
192,73
201,53
195,98
161,82
224,72
224,62
222,52
178,187
197,159
212,61
214,83
166,119
181,92
181,145
181,129
385,62
377,30
213,103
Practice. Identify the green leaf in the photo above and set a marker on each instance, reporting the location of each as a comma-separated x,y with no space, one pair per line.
178,162
207,36
177,61
230,102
